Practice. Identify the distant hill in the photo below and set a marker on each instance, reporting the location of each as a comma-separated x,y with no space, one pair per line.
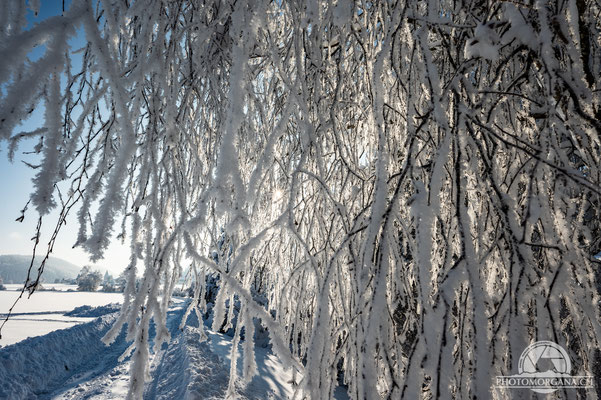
13,268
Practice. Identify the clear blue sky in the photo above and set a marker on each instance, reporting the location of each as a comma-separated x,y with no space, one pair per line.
16,184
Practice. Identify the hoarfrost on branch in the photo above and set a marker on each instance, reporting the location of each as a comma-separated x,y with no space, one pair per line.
404,194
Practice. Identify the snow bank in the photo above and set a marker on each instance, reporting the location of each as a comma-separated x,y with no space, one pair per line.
37,365
89,311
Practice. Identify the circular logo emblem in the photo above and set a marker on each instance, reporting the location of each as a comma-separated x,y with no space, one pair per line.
544,360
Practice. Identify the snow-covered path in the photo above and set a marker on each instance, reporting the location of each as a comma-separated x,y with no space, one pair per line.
74,364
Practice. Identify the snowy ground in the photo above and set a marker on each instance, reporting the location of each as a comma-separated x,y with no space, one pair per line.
44,311
61,287
52,350
74,364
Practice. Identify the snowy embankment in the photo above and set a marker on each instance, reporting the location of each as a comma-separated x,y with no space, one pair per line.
73,364
37,366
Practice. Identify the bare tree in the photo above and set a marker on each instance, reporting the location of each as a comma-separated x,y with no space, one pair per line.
413,187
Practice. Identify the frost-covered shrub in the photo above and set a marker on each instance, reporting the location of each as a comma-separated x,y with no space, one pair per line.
88,280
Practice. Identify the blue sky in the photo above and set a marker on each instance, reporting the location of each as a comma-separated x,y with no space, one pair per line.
15,179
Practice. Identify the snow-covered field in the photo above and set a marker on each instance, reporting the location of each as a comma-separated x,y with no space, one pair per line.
44,311
62,287
74,364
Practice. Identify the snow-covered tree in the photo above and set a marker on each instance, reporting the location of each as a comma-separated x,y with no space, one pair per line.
120,282
88,280
410,190
108,283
